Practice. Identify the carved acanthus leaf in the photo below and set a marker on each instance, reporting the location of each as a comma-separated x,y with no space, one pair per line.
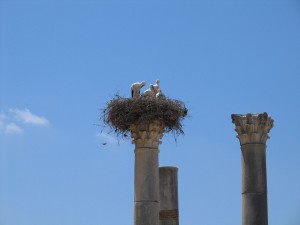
147,135
252,128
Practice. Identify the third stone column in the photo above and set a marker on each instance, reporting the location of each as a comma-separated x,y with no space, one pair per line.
253,132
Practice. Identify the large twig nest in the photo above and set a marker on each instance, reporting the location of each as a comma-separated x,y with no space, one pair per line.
120,113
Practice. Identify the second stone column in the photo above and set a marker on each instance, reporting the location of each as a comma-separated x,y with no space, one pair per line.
168,188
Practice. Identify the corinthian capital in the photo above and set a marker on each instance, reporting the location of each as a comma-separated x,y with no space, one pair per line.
147,135
252,128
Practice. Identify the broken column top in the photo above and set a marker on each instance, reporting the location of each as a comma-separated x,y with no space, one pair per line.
252,128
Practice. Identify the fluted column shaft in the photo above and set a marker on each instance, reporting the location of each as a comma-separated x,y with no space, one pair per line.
253,132
146,138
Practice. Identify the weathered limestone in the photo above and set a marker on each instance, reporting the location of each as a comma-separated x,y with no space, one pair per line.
168,190
253,132
146,138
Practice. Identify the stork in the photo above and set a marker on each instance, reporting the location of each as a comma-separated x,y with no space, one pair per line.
159,94
150,91
136,89
156,86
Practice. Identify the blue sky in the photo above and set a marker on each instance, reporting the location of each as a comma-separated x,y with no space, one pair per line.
60,61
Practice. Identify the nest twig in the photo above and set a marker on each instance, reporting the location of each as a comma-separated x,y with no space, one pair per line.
120,113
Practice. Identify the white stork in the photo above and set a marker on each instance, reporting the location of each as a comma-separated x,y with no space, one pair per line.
136,89
159,94
150,91
156,86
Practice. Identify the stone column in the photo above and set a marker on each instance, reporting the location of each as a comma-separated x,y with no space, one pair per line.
146,138
253,132
168,199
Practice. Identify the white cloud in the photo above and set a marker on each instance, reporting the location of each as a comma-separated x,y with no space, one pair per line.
10,123
12,128
27,117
